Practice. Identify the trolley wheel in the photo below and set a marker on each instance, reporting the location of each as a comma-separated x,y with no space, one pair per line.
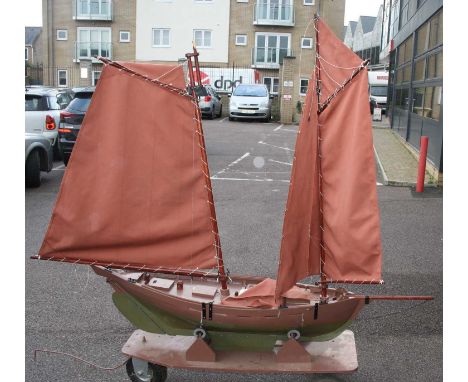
200,332
294,334
139,370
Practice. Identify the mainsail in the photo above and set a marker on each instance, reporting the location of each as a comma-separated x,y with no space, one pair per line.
331,225
135,192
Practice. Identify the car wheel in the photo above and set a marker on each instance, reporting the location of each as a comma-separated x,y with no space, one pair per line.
57,151
212,114
231,118
33,170
66,159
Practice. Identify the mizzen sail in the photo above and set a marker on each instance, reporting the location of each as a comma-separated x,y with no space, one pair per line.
331,225
135,192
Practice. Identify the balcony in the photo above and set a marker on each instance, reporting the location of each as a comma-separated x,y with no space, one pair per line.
269,58
92,50
270,12
92,10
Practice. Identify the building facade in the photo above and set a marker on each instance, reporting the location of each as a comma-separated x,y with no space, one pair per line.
75,31
33,55
166,29
277,39
413,46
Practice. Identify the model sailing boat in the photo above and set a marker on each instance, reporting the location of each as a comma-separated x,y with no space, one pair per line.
136,203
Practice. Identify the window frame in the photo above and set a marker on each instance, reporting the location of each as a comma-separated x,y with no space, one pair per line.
64,38
100,42
26,51
123,40
203,38
238,43
66,78
272,84
306,3
311,43
161,38
300,85
93,76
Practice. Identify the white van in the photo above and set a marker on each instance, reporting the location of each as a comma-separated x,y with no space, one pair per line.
378,85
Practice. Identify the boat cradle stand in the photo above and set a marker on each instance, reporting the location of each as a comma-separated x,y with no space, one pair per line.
191,352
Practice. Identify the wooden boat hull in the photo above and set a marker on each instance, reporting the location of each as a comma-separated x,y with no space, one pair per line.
255,329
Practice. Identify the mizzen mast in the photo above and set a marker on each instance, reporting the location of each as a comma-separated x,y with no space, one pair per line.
196,83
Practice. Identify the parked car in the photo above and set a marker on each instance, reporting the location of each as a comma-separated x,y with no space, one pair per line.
42,111
39,157
210,105
250,101
71,119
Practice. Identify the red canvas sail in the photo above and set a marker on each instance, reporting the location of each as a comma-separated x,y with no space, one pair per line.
331,225
135,191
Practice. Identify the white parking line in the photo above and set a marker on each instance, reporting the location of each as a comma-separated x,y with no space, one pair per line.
278,147
278,128
61,167
231,164
223,119
277,161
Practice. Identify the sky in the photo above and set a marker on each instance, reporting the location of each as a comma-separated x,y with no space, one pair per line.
354,9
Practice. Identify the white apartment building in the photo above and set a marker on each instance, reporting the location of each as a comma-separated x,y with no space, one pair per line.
166,28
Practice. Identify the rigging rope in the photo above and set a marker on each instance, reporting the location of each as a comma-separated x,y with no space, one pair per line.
79,359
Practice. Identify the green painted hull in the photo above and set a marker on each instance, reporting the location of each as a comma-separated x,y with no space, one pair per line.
153,320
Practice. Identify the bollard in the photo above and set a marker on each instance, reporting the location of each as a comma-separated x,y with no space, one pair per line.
422,163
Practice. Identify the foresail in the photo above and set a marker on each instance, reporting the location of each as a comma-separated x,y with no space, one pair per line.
300,244
343,210
134,191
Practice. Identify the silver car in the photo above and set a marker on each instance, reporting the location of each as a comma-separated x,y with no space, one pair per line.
250,102
210,104
39,153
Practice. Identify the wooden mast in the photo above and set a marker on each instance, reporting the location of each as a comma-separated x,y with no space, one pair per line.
323,278
195,80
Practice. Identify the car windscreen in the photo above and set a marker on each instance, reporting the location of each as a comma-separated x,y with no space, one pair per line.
379,91
81,102
34,103
60,101
250,91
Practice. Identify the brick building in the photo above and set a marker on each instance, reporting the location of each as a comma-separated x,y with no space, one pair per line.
76,30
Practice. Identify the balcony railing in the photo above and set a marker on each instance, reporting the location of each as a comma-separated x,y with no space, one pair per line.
92,10
267,13
90,50
269,58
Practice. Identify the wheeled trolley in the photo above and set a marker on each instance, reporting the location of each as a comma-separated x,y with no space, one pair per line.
151,354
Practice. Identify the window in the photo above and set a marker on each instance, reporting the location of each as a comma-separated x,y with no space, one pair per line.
95,9
62,77
271,48
95,77
435,34
306,42
419,70
432,101
435,66
124,36
202,38
161,37
241,39
421,39
93,42
26,54
304,86
418,97
62,34
272,83
309,2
